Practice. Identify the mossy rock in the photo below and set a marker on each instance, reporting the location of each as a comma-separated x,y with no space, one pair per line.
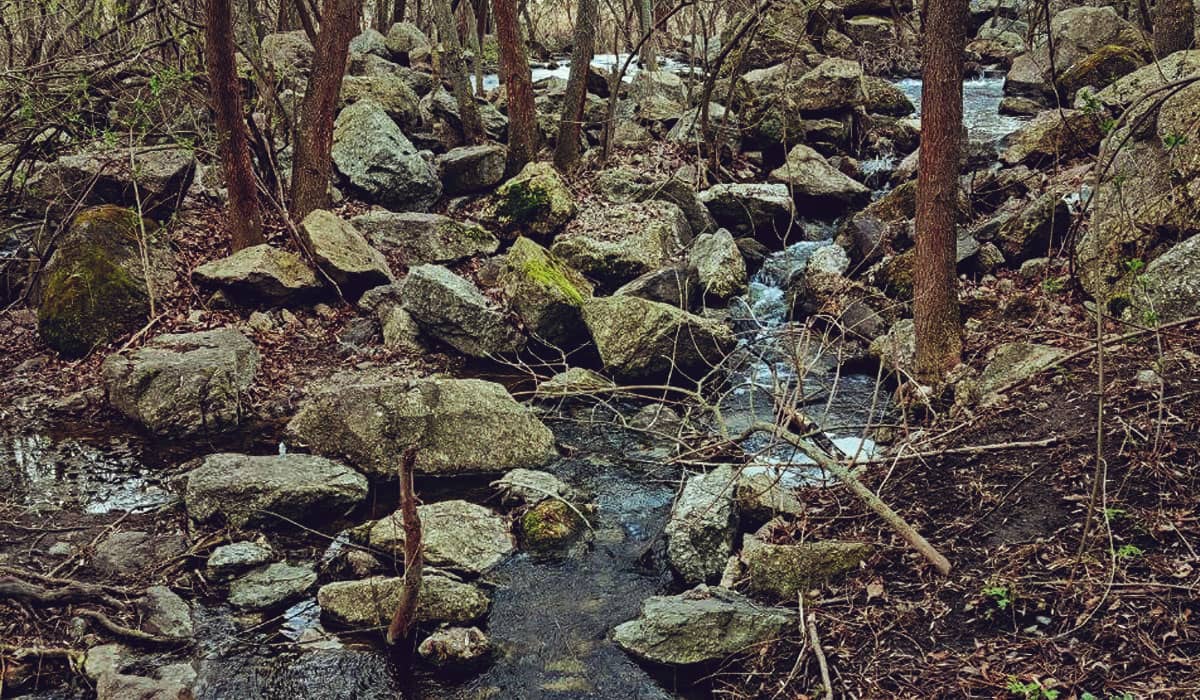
545,293
782,571
1100,68
550,524
95,287
895,276
535,202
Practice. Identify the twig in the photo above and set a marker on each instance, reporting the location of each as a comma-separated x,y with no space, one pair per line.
128,634
820,654
410,585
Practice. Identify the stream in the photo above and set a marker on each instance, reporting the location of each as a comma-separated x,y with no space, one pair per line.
551,618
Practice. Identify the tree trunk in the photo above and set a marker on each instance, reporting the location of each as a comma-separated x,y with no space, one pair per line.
455,68
646,22
312,168
935,303
1174,26
381,16
398,12
476,45
514,65
566,151
245,221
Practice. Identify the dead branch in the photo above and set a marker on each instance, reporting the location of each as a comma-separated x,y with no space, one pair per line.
820,654
73,592
129,634
404,617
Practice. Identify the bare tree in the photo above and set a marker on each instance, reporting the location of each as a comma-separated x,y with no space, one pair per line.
566,151
312,167
514,66
455,68
245,220
646,21
1174,26
935,303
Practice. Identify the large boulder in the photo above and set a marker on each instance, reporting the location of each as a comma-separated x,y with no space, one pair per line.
470,169
1053,135
184,384
1122,93
1100,69
677,285
441,109
248,489
407,43
453,310
1169,290
781,33
379,161
420,238
458,425
700,530
96,285
763,211
640,339
613,245
289,55
153,179
343,253
883,97
261,274
1077,33
455,535
783,571
719,265
783,96
683,195
536,202
371,602
391,92
545,293
272,587
820,190
705,624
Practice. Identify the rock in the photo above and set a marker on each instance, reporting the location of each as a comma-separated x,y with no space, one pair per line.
343,253
677,285
549,525
441,106
1053,135
683,195
131,552
241,488
373,601
369,419
173,682
657,419
407,43
828,260
1100,68
702,625
883,97
229,560
897,350
459,648
1034,268
400,331
184,384
657,84
614,245
470,169
639,339
455,535
1021,107
164,613
271,587
260,274
378,160
535,202
724,126
1078,33
1168,69
762,211
153,179
289,55
1169,290
391,92
700,530
531,487
1036,229
574,382
781,33
719,265
870,31
1014,362
454,311
95,287
545,293
820,189
762,497
421,238
783,571
372,42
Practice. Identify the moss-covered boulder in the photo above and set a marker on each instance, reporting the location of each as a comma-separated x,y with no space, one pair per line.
1052,136
420,238
1100,68
614,245
260,274
549,524
96,286
373,601
783,571
536,202
392,92
545,292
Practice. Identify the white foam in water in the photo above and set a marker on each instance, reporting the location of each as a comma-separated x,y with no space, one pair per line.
795,469
604,61
981,107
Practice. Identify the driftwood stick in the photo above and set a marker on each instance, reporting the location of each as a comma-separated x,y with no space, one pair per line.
404,616
822,458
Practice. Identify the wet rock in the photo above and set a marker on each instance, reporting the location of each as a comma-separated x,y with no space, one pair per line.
545,292
391,92
640,339
818,188
95,287
164,613
719,265
616,244
132,552
184,384
369,418
702,625
469,169
550,524
677,285
261,274
454,311
171,682
783,571
241,488
1053,135
458,648
373,601
425,238
377,159
229,560
456,535
536,201
762,497
657,419
271,587
1169,290
700,530
759,210
343,253
153,178
530,487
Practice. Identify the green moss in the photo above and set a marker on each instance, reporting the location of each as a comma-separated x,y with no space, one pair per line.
522,203
896,276
547,274
549,524
89,301
1101,67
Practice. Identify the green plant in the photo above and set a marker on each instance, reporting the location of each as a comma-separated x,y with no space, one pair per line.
1000,595
1033,690
1173,141
1114,514
1054,285
1128,551
1114,696
1134,266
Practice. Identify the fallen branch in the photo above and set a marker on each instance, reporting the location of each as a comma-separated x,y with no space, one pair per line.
410,586
129,634
74,592
820,654
72,656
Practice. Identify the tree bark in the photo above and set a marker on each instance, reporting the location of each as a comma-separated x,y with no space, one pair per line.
566,151
647,57
414,561
455,68
935,303
245,220
312,168
518,82
1174,26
